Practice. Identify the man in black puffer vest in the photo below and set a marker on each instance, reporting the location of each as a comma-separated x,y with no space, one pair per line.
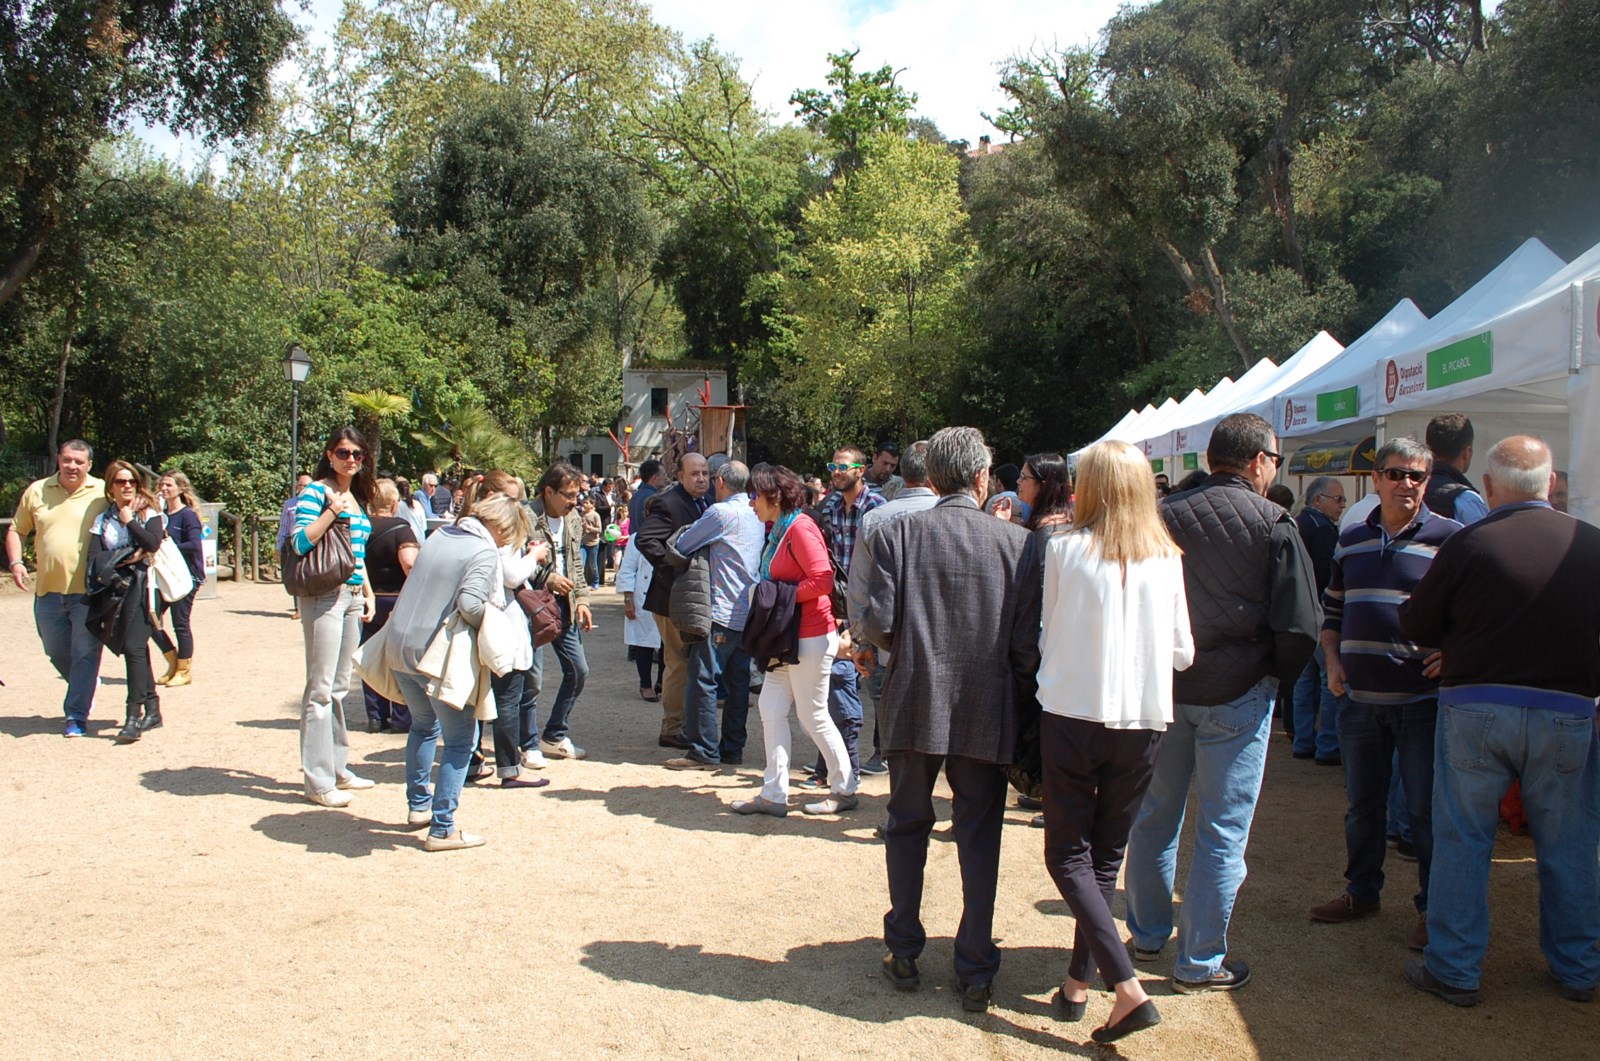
1450,493
1254,612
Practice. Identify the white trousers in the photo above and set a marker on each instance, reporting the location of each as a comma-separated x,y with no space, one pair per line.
804,686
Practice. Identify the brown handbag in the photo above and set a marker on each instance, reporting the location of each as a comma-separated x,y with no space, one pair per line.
329,564
544,614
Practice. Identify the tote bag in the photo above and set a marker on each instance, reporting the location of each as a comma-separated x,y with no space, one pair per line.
170,572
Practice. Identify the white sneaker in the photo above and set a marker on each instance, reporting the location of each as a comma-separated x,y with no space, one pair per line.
533,759
331,798
456,841
561,749
352,783
419,817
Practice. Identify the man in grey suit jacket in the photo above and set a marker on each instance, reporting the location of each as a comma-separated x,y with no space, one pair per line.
953,594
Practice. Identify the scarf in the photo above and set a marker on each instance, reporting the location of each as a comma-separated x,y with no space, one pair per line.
780,528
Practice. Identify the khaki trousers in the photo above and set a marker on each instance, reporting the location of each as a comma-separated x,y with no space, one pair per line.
675,682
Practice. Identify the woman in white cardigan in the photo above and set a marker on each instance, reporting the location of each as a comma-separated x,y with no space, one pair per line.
639,631
1116,625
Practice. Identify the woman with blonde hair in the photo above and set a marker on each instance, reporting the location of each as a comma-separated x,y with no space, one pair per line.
457,572
119,611
1115,627
391,552
183,527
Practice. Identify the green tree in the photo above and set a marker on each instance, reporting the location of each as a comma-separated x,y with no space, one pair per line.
855,108
74,71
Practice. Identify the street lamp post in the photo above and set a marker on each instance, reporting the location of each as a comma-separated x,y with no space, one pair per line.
296,367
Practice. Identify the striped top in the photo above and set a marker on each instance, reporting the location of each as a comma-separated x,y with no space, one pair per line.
1371,576
308,506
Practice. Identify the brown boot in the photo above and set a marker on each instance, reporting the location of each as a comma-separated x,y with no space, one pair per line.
182,677
172,668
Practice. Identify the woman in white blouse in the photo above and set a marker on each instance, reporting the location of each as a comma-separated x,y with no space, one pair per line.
1116,625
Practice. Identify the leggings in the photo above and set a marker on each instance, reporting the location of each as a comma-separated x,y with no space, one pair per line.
643,660
180,610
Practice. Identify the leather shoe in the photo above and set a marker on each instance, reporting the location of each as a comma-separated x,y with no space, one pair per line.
677,740
975,997
902,973
1418,976
1144,1015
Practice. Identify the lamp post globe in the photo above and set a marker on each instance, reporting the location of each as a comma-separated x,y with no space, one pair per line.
296,367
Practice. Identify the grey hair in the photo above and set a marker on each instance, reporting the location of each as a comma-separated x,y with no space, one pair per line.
914,463
734,475
1520,465
1408,450
956,457
1318,487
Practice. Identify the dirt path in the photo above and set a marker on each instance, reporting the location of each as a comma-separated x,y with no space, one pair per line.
178,898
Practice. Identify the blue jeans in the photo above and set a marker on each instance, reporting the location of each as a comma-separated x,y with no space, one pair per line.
1372,736
429,719
1223,751
574,672
528,723
1316,710
1479,750
717,661
848,714
591,565
62,622
1399,828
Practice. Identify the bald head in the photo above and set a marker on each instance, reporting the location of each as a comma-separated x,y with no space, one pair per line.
1519,470
694,475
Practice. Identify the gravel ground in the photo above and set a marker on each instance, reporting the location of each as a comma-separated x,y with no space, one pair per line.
178,898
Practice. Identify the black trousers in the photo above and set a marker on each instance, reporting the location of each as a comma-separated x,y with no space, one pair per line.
136,656
1094,782
979,800
180,610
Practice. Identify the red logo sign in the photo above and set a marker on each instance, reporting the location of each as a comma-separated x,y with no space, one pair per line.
1288,414
1391,381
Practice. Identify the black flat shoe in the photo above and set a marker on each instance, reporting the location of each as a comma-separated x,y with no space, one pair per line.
518,782
1068,1012
1143,1016
901,972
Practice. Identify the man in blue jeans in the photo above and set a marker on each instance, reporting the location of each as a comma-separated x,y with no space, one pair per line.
1513,602
1392,683
557,524
733,536
58,511
1316,709
1253,608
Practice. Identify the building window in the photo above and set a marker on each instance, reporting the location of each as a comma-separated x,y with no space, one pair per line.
658,402
575,459
597,464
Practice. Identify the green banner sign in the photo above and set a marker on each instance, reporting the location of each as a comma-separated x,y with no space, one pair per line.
1339,405
1191,462
1461,361
1158,465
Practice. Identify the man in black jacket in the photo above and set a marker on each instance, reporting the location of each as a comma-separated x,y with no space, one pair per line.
1450,493
1316,709
677,507
1255,615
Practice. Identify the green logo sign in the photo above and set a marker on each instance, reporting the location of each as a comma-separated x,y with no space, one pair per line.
1191,462
1158,465
1339,405
1461,361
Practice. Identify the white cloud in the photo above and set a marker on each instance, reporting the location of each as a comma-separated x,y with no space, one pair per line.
948,50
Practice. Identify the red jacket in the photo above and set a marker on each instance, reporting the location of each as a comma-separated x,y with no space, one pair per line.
803,560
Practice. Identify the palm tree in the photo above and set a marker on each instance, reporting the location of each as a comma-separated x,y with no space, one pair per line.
467,436
370,409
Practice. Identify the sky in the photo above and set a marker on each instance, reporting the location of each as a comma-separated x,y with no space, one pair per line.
947,51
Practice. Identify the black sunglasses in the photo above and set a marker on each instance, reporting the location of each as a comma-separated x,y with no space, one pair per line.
1394,475
350,454
1277,458
124,481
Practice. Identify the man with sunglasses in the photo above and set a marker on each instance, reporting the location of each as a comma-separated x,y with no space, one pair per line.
1513,602
58,511
1253,609
1316,709
1390,683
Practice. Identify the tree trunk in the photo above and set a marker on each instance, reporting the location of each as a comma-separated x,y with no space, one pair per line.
23,258
1219,295
57,399
1280,196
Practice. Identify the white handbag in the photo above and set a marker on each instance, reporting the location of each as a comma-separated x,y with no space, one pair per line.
171,572
503,638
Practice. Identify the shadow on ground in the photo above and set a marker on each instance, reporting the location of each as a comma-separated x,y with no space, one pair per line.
335,833
843,978
706,808
220,781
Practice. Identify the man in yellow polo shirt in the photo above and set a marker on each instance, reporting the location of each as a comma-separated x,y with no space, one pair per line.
59,511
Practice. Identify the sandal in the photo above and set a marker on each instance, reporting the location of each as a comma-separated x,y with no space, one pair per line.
647,697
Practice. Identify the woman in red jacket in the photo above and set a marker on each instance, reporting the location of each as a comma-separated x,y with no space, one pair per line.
795,553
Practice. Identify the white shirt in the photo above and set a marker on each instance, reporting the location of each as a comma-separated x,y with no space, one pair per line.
558,538
1108,649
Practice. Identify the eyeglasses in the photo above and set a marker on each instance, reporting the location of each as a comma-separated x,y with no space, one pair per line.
1030,478
123,480
573,496
350,454
834,466
1394,475
1277,458
1339,500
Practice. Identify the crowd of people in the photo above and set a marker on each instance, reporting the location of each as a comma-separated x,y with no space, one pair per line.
1107,644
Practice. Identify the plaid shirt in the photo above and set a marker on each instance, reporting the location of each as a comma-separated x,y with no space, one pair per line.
844,522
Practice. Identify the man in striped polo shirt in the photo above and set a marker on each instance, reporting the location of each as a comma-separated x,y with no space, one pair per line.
1392,683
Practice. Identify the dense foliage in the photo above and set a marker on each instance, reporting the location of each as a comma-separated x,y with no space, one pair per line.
471,214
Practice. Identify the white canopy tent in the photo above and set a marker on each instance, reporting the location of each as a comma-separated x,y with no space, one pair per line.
1340,401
